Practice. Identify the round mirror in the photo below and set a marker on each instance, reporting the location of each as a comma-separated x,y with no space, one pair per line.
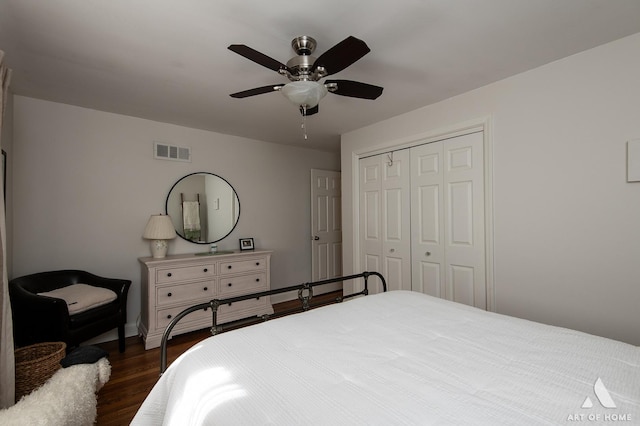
204,207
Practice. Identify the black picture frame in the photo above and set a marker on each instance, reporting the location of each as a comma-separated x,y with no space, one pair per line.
246,244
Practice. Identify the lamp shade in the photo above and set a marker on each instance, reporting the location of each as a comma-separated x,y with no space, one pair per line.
159,227
304,92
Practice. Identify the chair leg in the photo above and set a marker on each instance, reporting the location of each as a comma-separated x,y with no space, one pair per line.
121,338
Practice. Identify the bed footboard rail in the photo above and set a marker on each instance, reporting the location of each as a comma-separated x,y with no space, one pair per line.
305,293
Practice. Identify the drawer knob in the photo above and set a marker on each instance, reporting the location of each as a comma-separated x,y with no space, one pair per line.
229,304
169,294
257,263
169,274
206,270
257,280
230,284
169,316
229,267
206,288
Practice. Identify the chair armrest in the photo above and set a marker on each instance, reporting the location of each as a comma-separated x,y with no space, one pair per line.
37,315
24,301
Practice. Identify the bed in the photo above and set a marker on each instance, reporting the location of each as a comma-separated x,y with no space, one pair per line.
399,357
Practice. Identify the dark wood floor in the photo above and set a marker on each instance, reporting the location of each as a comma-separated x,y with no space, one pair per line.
134,372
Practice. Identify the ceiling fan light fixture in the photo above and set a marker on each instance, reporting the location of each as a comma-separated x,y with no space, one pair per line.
304,93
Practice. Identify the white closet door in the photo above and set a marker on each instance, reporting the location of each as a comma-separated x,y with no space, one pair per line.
448,246
427,219
370,219
385,228
465,278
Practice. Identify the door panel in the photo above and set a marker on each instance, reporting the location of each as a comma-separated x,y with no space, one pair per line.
396,219
395,275
464,239
385,218
371,263
430,278
427,221
393,223
461,284
326,224
372,215
370,222
460,213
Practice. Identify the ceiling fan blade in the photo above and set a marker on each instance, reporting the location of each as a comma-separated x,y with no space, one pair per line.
309,111
257,57
257,91
355,89
341,55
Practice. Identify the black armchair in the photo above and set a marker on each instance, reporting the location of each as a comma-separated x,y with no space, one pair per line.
45,319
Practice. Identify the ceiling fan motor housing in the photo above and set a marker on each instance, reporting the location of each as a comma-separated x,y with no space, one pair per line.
301,65
304,72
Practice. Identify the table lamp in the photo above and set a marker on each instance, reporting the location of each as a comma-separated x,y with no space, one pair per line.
159,229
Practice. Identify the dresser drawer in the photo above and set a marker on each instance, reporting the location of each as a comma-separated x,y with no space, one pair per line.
231,286
178,293
171,275
240,266
241,309
165,316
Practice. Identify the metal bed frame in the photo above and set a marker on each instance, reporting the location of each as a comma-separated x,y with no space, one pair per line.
305,294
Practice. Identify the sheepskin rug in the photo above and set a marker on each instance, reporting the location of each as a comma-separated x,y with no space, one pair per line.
68,398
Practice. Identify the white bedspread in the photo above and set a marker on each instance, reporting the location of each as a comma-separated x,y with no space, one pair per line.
398,358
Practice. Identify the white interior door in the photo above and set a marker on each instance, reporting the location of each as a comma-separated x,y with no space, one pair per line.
326,226
385,228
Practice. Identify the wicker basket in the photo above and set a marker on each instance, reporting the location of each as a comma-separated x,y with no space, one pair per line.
35,364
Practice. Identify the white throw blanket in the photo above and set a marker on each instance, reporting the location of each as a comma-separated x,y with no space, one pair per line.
68,398
191,215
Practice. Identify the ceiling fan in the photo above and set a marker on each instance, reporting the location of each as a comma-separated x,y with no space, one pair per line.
305,72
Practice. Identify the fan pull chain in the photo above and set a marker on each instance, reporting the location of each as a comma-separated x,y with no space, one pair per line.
303,126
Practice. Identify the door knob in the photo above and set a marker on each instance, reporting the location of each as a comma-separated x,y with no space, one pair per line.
316,238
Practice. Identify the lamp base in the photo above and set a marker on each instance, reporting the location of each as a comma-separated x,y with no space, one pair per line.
159,248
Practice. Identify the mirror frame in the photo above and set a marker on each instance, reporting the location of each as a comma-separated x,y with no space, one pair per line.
166,206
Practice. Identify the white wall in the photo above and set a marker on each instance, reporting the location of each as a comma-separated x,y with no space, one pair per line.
567,224
85,183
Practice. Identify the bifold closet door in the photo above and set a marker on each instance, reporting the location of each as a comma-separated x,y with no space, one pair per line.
447,213
427,219
385,221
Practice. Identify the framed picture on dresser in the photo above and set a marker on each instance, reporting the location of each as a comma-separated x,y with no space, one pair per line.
246,244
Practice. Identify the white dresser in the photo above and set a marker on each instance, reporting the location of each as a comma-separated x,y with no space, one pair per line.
173,283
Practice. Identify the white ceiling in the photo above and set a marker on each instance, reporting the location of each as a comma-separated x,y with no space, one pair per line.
167,60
